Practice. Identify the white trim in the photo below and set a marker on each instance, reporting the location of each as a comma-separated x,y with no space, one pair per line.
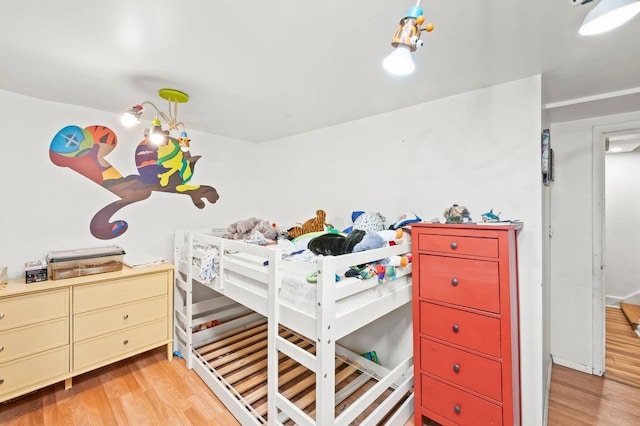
547,392
572,364
598,97
599,239
598,256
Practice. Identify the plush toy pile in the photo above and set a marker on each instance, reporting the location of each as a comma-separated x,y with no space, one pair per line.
252,229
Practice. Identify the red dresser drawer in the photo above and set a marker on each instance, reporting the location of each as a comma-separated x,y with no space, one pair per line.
474,246
458,406
467,329
474,372
465,282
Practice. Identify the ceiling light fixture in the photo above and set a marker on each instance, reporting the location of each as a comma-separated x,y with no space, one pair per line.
156,134
607,15
405,41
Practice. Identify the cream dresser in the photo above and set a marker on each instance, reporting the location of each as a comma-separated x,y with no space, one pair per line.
53,330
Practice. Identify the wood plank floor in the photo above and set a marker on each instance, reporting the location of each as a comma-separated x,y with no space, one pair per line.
583,399
149,390
622,350
144,390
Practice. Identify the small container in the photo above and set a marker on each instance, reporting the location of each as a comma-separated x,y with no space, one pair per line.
86,261
35,271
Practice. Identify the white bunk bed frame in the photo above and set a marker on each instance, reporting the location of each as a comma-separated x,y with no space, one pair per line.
239,307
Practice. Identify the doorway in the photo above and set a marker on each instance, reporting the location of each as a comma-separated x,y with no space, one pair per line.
611,250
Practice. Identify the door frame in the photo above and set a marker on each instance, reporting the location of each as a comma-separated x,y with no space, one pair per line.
599,136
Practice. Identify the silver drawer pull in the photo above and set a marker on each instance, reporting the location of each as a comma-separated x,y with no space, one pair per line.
457,409
126,341
126,316
454,245
1,315
454,282
1,348
456,368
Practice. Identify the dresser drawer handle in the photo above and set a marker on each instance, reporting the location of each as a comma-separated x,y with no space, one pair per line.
457,409
126,316
454,245
126,342
1,315
1,348
454,282
1,381
456,368
455,328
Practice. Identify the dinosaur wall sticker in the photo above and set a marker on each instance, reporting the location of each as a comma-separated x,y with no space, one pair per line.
167,167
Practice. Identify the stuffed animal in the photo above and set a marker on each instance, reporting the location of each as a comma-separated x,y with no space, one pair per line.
457,214
332,244
377,239
406,219
243,229
367,221
314,224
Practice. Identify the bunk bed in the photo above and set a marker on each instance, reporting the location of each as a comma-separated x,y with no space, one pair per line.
265,340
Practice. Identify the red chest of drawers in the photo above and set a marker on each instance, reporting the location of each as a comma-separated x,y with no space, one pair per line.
465,324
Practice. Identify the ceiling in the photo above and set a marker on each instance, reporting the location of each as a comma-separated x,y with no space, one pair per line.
260,70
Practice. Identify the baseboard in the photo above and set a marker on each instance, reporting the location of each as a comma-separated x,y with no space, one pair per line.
547,392
573,365
612,301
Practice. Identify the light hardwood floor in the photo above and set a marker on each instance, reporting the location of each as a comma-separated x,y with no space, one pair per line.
583,399
149,390
144,390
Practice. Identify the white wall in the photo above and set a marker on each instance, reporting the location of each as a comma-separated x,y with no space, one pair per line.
480,149
622,175
571,243
45,207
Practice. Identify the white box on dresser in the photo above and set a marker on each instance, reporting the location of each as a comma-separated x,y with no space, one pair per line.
54,330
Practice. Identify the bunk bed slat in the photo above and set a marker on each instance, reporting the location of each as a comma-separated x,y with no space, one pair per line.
235,356
221,331
232,339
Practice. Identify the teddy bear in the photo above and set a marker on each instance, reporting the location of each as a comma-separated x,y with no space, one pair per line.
244,229
315,224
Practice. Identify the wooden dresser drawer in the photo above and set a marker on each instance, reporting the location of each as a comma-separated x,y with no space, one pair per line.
471,246
24,341
34,369
473,331
474,372
33,308
464,282
458,406
116,345
103,321
110,293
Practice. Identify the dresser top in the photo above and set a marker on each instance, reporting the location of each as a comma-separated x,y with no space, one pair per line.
16,287
479,225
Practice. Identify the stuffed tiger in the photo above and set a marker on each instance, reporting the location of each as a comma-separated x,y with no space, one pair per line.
312,225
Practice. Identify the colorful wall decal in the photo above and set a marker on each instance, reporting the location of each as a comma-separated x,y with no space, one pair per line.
167,168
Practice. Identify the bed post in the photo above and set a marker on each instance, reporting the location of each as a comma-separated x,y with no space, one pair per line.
189,308
326,345
273,324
